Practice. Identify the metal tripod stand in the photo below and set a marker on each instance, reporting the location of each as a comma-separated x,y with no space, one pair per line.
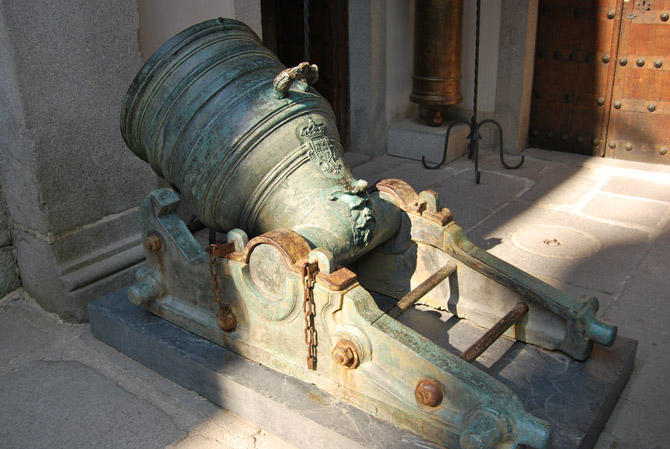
474,136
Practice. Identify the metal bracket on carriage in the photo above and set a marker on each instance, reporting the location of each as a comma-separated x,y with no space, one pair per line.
295,251
425,204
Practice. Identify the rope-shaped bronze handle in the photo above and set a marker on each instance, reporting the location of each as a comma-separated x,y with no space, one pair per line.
307,73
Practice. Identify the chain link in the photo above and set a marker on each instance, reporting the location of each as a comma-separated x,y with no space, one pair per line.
225,317
308,307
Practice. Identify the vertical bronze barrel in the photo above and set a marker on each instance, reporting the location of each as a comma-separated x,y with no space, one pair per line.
436,80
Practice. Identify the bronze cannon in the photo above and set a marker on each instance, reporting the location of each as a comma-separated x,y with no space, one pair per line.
253,151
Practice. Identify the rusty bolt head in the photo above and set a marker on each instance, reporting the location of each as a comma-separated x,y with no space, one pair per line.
662,151
611,144
580,139
564,137
226,319
153,243
428,393
600,101
628,146
610,14
658,63
606,58
640,62
664,17
345,354
623,61
550,134
651,107
617,104
596,141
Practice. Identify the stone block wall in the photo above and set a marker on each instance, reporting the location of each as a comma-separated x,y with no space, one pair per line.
9,276
71,186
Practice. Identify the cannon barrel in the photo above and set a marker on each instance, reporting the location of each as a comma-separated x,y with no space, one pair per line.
248,143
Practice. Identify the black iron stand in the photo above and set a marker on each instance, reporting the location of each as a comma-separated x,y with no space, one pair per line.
474,136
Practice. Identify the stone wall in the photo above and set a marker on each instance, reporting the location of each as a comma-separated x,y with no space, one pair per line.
9,276
71,186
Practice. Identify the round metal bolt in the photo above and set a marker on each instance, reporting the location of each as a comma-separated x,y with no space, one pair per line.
617,104
658,63
611,144
606,59
596,142
428,393
226,319
610,14
550,134
590,57
580,139
557,55
573,56
345,354
564,137
651,107
153,243
600,101
662,151
535,133
640,62
623,61
664,17
628,146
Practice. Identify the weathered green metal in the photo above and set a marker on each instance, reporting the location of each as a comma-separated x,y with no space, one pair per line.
247,143
391,359
485,287
252,153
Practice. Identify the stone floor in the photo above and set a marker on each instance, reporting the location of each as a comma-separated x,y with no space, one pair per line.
606,225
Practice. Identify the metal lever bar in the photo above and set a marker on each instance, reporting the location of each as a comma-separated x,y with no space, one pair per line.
419,292
481,345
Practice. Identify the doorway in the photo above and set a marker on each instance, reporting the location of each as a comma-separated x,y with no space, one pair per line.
602,79
329,48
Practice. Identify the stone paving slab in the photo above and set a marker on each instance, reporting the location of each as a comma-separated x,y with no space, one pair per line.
615,249
42,407
575,397
73,377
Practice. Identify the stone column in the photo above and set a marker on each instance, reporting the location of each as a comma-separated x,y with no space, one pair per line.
71,186
367,73
516,60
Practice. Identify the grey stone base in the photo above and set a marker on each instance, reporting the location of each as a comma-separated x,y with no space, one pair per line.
575,397
407,136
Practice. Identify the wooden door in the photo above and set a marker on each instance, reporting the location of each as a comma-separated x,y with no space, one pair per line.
639,124
573,72
329,47
602,79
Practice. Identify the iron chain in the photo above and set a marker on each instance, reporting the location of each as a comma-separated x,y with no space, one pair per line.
308,307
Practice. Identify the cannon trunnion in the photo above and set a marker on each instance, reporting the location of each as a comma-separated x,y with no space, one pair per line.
254,153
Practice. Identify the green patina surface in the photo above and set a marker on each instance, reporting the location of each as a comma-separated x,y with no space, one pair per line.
253,151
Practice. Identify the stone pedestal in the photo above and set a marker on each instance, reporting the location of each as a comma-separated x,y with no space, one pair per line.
413,140
70,184
576,398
